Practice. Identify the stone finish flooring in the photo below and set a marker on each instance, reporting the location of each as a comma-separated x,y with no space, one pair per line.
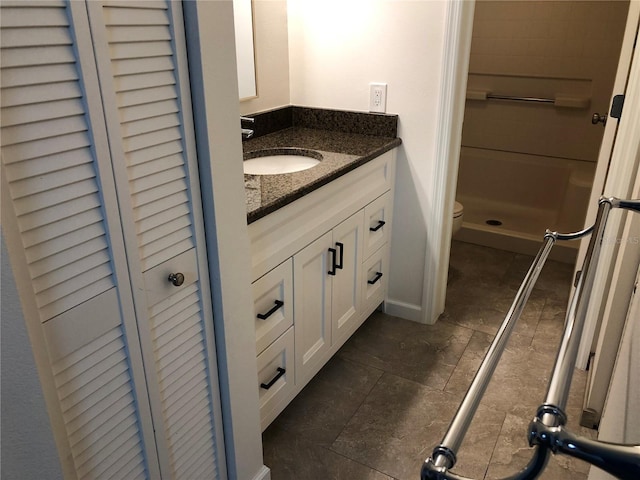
381,404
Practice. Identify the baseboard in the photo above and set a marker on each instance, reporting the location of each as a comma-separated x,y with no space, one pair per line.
404,310
263,474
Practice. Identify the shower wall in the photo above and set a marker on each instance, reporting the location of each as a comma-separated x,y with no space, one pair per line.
530,165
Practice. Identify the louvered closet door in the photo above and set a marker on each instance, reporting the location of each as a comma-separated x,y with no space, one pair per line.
66,245
142,68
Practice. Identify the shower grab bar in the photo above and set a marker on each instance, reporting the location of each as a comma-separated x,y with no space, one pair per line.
546,431
560,100
491,96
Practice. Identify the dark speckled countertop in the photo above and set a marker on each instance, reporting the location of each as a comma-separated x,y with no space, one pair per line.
341,151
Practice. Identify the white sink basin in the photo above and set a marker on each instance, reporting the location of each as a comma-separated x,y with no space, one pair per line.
280,161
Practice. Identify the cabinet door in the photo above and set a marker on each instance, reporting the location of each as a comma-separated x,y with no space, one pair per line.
346,291
312,306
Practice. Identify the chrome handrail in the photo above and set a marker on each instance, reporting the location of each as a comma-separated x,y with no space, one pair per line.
515,98
546,431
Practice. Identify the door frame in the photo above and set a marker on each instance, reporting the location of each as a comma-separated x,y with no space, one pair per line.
216,111
455,67
614,177
615,307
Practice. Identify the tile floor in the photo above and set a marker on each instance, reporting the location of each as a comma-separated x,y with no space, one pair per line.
381,404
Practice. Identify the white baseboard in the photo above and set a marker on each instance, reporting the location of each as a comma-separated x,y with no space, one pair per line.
263,474
404,310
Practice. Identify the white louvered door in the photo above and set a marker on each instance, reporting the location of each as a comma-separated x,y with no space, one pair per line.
95,223
141,58
66,246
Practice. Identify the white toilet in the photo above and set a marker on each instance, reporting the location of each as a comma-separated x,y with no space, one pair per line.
458,212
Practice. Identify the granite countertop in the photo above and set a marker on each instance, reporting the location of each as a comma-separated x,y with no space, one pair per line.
341,151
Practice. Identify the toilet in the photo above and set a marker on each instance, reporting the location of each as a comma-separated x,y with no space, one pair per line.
458,212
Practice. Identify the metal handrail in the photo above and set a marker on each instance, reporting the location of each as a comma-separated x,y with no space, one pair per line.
546,431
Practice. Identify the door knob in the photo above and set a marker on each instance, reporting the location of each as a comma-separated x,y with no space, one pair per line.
176,278
597,118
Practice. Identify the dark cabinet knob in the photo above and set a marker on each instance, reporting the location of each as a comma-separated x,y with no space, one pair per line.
176,278
597,118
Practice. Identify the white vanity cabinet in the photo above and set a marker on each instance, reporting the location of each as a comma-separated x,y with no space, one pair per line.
319,268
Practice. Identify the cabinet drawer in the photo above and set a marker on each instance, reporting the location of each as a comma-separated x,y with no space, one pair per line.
377,223
276,382
374,280
273,304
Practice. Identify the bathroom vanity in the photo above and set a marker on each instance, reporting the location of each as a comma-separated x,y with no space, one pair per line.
319,253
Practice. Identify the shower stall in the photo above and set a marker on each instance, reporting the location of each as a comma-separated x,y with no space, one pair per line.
538,72
510,198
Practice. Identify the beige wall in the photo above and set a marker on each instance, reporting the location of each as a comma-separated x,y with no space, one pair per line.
542,49
272,56
561,38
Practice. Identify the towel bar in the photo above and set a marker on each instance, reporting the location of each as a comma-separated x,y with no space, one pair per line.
546,431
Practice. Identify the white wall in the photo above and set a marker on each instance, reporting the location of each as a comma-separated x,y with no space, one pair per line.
28,448
336,48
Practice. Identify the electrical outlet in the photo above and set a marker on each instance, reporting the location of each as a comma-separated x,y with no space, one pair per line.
378,97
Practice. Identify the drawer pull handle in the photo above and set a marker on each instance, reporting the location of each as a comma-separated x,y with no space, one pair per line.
375,279
341,247
332,251
377,227
267,386
264,316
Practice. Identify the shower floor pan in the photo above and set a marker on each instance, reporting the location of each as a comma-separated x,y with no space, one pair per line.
521,229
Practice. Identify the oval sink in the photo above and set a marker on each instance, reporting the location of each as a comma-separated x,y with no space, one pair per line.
279,161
